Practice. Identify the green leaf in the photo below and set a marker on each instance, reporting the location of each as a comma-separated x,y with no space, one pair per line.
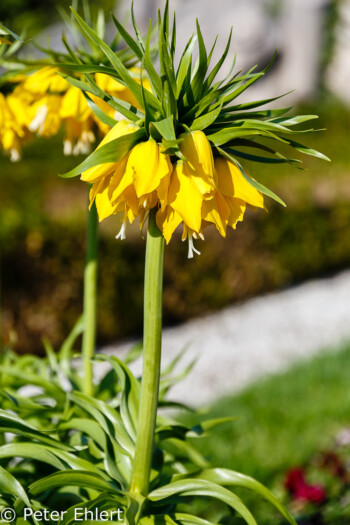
88,427
148,64
307,151
136,29
198,80
32,451
209,424
6,31
199,487
130,388
165,128
227,477
206,120
113,151
125,76
217,68
100,114
190,519
73,478
14,424
128,110
135,46
33,379
65,352
184,65
10,485
226,135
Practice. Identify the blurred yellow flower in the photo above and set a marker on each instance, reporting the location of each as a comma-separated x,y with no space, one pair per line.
196,192
12,126
51,102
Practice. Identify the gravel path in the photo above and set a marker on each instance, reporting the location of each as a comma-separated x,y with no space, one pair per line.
262,336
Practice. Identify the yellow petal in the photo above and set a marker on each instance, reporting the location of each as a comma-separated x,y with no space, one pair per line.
232,183
103,204
185,198
123,127
46,79
163,190
74,105
217,211
167,221
111,86
149,166
237,209
121,179
200,163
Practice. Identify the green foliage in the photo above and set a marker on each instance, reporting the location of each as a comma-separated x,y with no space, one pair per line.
187,97
70,444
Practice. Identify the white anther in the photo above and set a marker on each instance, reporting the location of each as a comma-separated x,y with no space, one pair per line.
38,122
191,247
122,232
15,155
67,147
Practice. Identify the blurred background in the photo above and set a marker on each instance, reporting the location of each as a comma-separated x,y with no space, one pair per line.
43,217
300,418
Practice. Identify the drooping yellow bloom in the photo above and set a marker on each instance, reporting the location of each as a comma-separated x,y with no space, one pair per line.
12,126
51,103
196,192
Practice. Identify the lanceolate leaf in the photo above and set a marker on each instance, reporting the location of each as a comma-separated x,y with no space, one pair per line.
166,129
125,76
10,485
72,478
189,487
205,120
227,478
307,151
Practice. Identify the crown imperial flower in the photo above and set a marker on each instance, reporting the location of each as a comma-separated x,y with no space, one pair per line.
178,148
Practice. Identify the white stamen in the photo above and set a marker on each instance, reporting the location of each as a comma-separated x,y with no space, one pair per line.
67,147
121,235
37,124
83,145
15,155
191,247
145,203
201,236
88,136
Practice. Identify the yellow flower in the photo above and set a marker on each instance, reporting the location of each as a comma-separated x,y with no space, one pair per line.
51,102
111,86
197,191
12,126
130,185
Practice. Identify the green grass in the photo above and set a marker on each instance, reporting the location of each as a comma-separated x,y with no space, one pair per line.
283,420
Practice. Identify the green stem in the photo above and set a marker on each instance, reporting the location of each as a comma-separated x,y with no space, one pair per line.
152,342
90,299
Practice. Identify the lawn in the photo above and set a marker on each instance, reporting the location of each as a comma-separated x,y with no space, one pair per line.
283,422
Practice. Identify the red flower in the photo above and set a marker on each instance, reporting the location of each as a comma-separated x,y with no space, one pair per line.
300,490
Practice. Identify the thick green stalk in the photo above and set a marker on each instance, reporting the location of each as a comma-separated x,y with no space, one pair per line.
90,299
152,342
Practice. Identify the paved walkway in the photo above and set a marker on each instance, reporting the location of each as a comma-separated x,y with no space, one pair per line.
262,336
